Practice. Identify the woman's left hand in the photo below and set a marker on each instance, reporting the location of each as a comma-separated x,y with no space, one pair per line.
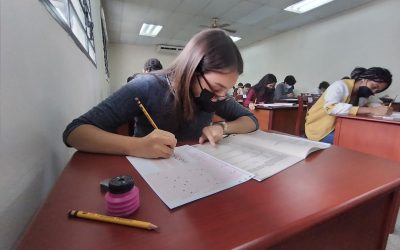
212,133
252,106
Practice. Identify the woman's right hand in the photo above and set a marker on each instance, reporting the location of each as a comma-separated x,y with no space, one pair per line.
381,110
157,144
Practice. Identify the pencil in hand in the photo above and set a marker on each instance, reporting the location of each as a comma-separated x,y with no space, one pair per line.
146,113
390,104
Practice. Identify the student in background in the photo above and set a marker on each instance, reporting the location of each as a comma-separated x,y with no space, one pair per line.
239,90
262,92
348,96
285,89
239,93
246,89
181,99
231,92
322,87
150,65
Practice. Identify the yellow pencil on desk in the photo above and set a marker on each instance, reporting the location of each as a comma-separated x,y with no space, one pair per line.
111,219
145,113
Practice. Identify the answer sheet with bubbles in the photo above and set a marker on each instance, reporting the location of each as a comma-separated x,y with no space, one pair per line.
188,175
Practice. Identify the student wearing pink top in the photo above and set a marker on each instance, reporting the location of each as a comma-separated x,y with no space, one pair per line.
262,92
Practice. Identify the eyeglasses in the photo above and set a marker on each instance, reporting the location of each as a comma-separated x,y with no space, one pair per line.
215,98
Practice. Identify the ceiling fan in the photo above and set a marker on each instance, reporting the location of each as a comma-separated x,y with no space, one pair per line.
215,24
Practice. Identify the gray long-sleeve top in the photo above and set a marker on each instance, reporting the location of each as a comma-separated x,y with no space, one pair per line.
281,91
154,92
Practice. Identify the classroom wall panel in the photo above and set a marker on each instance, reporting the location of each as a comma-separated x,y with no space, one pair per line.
328,50
126,59
45,82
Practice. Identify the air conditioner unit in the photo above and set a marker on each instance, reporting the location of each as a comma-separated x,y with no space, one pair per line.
169,49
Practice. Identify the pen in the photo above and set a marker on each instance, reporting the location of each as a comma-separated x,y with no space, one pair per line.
111,219
145,113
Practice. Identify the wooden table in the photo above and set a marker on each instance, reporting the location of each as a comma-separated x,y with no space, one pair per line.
335,199
369,135
282,119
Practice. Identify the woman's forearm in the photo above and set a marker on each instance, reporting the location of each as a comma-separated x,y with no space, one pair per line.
241,125
92,139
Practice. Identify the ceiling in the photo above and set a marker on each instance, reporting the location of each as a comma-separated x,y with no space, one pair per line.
254,20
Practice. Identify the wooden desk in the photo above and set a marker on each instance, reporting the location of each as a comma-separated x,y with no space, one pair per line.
282,119
335,199
369,135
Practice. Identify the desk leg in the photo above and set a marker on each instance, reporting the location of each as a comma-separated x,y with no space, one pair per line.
337,131
395,212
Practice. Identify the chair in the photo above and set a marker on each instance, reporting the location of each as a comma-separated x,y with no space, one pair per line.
300,117
302,100
311,100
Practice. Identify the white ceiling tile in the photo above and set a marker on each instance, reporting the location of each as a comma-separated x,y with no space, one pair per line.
157,16
273,19
147,3
240,10
279,4
258,15
134,12
192,6
129,26
181,19
217,8
168,5
128,37
178,19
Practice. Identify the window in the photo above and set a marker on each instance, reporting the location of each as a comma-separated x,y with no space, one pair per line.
105,42
75,17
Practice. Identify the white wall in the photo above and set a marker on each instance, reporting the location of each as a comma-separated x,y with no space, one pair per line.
45,82
367,36
125,60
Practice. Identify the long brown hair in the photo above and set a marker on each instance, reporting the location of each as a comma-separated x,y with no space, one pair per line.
210,50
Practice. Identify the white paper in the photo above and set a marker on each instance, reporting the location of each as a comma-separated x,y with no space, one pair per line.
277,104
394,116
263,154
188,175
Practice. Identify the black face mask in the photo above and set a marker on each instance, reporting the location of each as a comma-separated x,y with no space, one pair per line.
364,91
204,101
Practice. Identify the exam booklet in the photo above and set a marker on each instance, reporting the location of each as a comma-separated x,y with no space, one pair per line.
395,116
276,104
261,153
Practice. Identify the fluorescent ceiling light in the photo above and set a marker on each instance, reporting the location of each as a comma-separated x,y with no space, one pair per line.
150,30
306,5
235,38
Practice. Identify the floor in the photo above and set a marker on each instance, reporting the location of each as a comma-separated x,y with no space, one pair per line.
394,239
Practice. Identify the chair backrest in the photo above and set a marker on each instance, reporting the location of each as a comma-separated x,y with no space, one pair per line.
300,117
311,100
